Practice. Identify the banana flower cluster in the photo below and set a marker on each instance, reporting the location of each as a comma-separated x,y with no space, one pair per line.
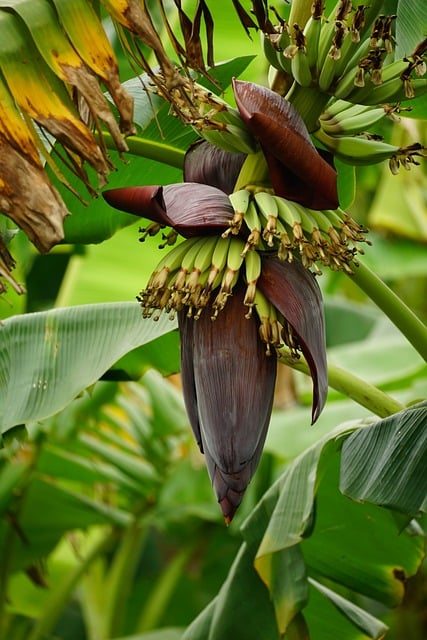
229,353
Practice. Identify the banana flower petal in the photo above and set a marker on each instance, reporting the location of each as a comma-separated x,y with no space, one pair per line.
294,291
228,383
191,209
298,172
208,164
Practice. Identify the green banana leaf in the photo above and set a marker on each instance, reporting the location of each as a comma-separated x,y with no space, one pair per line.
48,358
386,463
293,540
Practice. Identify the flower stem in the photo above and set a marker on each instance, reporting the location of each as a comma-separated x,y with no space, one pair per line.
365,394
150,149
309,102
404,318
253,172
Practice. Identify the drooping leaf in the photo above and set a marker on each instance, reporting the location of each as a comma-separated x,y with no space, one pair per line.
230,615
48,358
385,463
59,53
333,616
29,199
364,549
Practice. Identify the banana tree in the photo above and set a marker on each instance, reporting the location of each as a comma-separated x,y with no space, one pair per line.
268,176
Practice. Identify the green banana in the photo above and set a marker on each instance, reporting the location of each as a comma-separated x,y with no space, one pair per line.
251,218
300,67
312,32
270,51
240,202
252,272
394,69
187,263
286,245
323,221
283,44
325,42
341,108
335,57
352,60
267,206
227,115
233,139
307,222
327,72
230,275
349,124
218,261
288,214
357,150
395,90
346,84
203,258
253,223
170,263
270,328
263,310
235,254
216,271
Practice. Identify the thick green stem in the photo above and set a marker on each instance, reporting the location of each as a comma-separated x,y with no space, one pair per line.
365,394
150,149
309,102
253,172
404,318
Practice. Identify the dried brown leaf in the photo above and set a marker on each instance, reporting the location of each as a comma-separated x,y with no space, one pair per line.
28,198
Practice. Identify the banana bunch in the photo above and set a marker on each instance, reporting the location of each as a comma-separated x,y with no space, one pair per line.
367,149
348,54
328,237
203,268
346,118
194,271
294,51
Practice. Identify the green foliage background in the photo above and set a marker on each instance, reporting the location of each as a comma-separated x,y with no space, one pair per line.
109,529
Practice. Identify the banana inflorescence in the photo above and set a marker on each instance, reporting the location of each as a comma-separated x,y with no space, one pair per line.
203,268
349,54
349,58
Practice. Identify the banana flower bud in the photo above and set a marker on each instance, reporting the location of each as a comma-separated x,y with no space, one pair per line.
228,380
228,384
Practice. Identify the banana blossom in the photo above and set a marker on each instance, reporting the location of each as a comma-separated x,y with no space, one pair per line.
228,378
